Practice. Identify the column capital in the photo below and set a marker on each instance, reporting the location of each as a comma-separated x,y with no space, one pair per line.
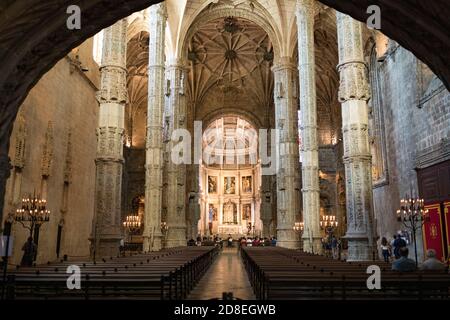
284,63
306,7
176,63
159,9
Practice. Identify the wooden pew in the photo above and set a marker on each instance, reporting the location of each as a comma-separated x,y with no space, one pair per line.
169,274
278,273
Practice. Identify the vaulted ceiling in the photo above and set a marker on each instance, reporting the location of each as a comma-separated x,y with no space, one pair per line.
137,83
231,53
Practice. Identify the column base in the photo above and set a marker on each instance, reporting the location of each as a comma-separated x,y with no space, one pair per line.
157,243
266,229
176,237
105,247
313,247
360,250
287,238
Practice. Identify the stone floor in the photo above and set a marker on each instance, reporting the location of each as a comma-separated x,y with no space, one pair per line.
227,274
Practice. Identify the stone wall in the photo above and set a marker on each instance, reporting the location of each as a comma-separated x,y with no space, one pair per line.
417,116
64,100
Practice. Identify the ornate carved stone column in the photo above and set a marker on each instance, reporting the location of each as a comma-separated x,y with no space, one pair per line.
354,94
154,146
176,204
287,156
112,97
308,109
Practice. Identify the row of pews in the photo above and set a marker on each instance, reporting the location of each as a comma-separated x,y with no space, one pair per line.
283,274
166,275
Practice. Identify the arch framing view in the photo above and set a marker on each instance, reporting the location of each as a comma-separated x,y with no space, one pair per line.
183,136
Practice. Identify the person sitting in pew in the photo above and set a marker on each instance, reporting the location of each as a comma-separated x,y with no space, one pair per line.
404,264
431,263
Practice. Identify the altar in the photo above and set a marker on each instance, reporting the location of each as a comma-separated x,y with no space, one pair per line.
231,229
230,204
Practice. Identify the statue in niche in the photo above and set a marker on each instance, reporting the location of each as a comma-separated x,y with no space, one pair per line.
230,185
212,184
247,184
247,211
212,213
229,213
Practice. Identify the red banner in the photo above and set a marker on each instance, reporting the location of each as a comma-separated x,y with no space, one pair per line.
447,226
432,231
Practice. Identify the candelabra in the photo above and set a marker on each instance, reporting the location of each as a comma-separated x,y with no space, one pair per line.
132,224
299,227
413,215
33,211
329,223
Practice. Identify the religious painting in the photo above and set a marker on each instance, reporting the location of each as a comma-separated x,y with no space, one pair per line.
212,184
247,211
212,213
247,184
229,186
230,213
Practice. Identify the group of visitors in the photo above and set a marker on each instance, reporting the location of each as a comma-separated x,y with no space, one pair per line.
397,252
405,264
392,248
253,242
332,246
205,241
257,242
391,251
242,242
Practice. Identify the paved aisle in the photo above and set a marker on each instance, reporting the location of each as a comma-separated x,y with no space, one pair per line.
227,274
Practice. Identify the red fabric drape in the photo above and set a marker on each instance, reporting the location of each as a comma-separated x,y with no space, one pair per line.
432,231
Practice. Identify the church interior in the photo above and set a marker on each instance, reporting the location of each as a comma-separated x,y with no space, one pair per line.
236,137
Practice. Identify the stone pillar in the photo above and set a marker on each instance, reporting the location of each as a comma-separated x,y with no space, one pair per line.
354,94
5,172
112,97
154,161
176,204
287,152
308,114
266,204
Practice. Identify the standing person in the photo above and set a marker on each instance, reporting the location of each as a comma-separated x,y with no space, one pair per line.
29,251
385,249
230,241
122,247
273,242
249,242
399,243
339,247
394,237
334,247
